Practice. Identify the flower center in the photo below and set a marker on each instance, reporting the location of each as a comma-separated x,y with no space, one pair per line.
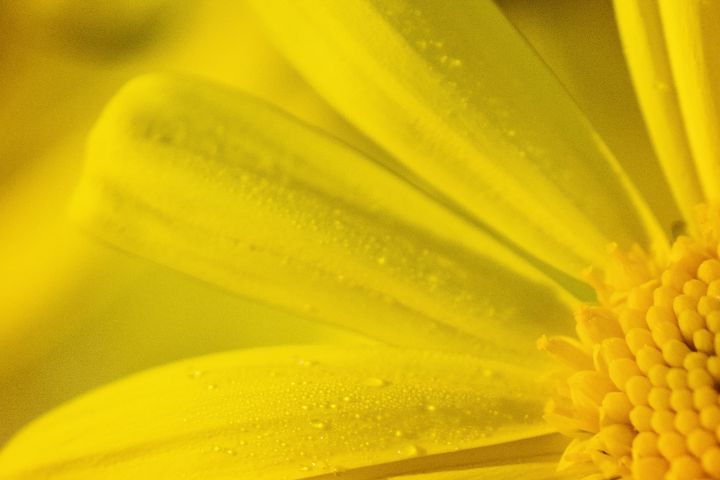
641,400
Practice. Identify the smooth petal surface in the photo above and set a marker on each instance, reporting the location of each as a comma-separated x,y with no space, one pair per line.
290,413
644,44
456,94
219,185
579,41
693,45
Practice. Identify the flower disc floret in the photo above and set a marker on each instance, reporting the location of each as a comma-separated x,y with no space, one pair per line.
641,398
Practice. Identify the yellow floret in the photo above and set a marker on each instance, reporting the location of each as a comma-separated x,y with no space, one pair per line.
648,365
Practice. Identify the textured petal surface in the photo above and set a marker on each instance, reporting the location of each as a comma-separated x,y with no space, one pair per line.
289,412
457,95
218,185
580,43
644,43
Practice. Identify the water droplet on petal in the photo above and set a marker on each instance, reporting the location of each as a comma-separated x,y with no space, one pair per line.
375,382
410,450
303,362
320,425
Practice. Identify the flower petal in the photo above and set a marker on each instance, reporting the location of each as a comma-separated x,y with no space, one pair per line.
290,412
579,42
644,43
219,185
74,312
523,470
693,44
122,315
456,93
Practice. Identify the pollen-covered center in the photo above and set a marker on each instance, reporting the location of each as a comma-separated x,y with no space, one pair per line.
642,398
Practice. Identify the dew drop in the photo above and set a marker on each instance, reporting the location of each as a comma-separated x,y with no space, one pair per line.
410,450
303,362
661,86
375,382
318,424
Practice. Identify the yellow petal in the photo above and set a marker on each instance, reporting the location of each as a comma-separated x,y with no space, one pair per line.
289,412
457,95
75,314
199,47
693,44
119,315
216,184
524,469
579,42
644,44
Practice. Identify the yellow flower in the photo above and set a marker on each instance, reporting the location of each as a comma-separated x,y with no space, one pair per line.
457,246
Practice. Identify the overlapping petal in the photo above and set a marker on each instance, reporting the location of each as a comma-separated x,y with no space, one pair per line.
294,412
219,185
75,313
643,40
579,41
456,94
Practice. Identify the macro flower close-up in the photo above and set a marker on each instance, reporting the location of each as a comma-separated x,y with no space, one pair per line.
361,239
